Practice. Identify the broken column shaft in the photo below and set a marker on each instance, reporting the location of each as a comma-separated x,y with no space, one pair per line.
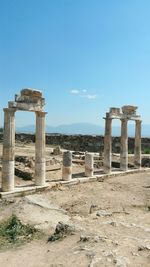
107,145
40,149
124,146
89,164
8,150
67,166
137,147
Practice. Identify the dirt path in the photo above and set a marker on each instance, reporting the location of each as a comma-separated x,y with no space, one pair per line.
111,218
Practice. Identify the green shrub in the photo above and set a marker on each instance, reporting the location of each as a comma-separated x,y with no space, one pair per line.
13,231
147,151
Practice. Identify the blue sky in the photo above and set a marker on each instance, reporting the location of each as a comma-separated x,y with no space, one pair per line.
85,55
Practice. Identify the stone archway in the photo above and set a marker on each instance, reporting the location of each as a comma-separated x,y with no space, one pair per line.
128,113
27,100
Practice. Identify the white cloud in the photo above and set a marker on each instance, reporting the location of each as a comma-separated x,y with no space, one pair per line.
89,96
84,91
74,91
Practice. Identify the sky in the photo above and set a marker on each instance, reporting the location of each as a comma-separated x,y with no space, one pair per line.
84,55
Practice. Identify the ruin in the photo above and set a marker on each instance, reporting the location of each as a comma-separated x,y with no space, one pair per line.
67,166
128,113
89,165
32,100
28,100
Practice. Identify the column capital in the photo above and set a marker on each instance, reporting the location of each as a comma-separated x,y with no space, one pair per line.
10,110
138,121
41,113
124,119
107,118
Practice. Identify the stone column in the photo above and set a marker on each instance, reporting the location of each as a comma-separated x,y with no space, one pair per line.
137,147
67,166
124,145
40,149
8,150
107,145
89,165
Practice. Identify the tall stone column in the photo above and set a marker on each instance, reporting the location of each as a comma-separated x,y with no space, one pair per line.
107,145
137,146
40,149
8,150
124,145
67,166
89,165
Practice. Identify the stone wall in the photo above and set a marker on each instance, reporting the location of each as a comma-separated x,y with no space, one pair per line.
81,142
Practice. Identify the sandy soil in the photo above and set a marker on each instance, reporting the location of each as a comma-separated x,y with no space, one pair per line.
111,221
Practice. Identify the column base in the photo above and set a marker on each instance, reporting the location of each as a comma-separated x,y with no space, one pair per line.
66,173
88,172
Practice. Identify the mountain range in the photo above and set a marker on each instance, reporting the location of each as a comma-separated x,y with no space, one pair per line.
85,128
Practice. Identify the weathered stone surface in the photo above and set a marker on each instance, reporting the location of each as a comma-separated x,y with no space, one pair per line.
31,92
114,111
67,159
8,150
137,148
67,166
89,165
57,151
129,110
28,161
25,175
107,145
145,162
28,99
124,145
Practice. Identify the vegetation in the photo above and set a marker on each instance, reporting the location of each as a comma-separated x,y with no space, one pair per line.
147,151
13,231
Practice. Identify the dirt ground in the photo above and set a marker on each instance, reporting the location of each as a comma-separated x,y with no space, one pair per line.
111,221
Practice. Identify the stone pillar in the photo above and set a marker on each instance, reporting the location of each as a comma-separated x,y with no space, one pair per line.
8,150
124,145
89,165
107,145
67,166
137,147
40,149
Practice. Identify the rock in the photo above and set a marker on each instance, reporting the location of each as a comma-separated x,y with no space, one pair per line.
84,238
103,213
57,151
144,247
25,175
145,162
121,261
61,231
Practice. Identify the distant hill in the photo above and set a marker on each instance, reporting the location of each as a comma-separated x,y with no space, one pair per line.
85,128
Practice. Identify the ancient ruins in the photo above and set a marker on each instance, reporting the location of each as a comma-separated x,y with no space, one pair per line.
128,113
27,100
33,101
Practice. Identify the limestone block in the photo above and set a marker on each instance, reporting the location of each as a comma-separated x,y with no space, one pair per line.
114,111
66,173
129,110
67,166
8,176
67,159
40,173
31,92
89,165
